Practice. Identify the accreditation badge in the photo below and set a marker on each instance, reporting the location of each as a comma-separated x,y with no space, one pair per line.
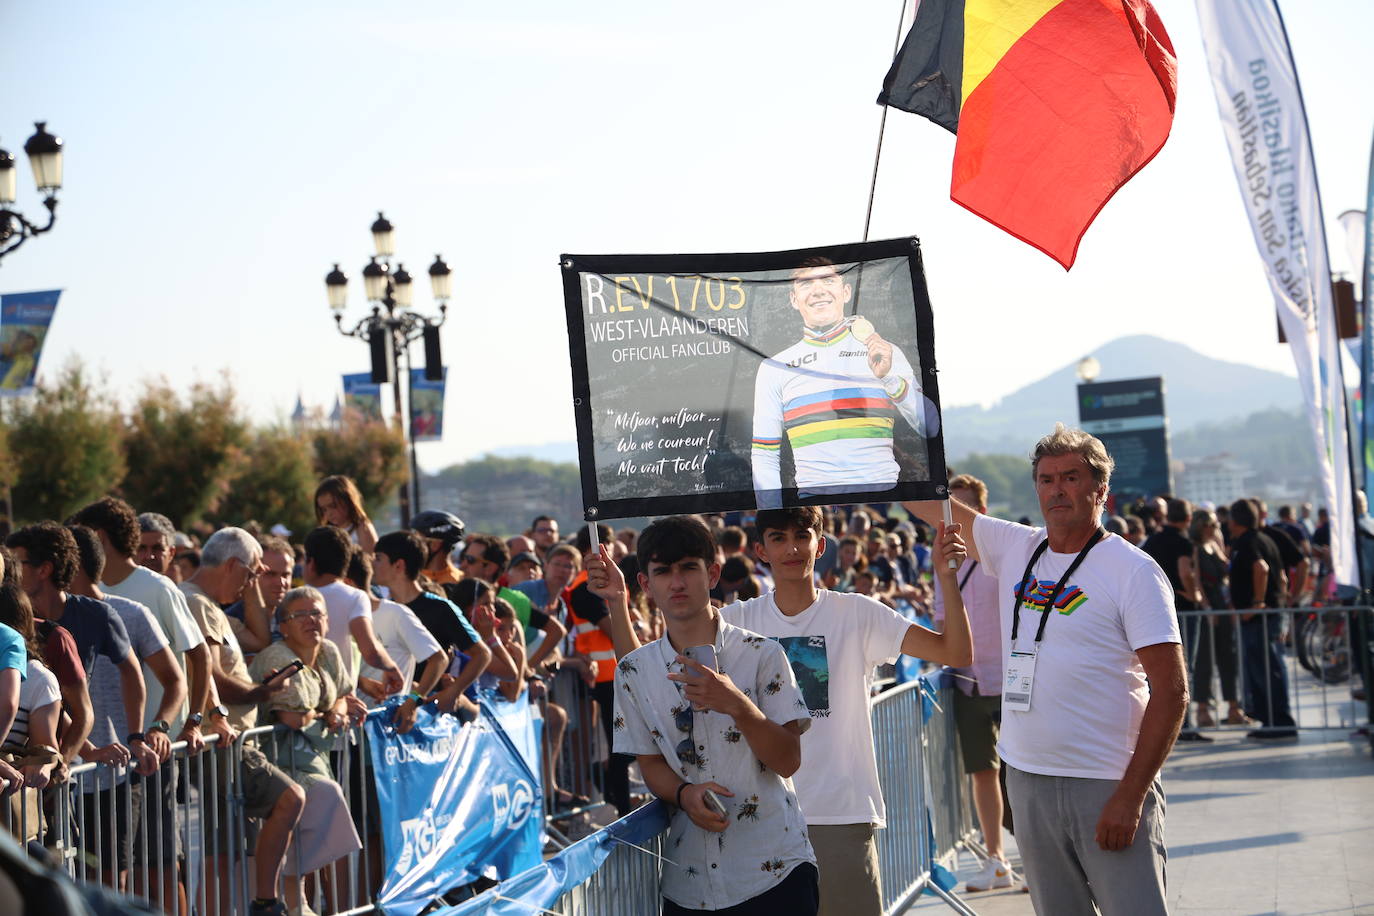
1016,690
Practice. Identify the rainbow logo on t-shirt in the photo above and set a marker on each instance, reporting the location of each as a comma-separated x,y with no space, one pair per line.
1069,600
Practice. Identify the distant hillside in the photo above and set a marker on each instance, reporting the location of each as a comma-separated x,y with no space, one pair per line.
1197,389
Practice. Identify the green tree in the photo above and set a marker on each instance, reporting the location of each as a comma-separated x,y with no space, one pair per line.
1011,492
63,446
274,484
371,452
183,450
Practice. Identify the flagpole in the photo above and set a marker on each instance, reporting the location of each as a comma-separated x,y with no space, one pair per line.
882,128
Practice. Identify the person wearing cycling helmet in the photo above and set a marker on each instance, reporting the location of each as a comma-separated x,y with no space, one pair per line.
442,531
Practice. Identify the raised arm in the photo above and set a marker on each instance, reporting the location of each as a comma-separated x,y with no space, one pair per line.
955,645
605,580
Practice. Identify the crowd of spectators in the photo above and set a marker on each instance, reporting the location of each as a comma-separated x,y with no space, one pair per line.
120,636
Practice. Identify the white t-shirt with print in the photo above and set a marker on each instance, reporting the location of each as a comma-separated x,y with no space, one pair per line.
1090,689
833,647
405,639
344,604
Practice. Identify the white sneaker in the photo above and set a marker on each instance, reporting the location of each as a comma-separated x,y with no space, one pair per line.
995,873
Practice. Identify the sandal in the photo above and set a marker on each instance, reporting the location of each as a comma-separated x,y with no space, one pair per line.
1205,719
1238,717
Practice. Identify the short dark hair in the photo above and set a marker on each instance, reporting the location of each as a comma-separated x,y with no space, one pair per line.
360,569
48,542
676,537
796,518
328,548
493,549
1178,510
90,554
583,540
1243,513
468,592
733,538
116,518
736,569
407,546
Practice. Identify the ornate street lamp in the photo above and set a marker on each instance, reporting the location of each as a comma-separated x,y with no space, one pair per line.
45,156
391,327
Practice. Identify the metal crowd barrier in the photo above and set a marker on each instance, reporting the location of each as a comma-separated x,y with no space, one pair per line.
1277,663
626,884
929,819
926,792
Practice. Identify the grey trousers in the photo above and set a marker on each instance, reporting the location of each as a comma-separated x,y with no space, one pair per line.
1067,872
847,856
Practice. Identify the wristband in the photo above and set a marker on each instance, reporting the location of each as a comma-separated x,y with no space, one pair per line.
416,697
679,793
135,736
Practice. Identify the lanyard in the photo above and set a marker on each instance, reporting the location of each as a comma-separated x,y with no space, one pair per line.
1058,586
971,567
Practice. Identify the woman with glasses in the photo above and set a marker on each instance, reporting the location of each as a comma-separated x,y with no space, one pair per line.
316,706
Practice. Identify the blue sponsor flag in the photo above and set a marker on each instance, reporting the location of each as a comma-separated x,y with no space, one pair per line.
24,322
457,802
426,407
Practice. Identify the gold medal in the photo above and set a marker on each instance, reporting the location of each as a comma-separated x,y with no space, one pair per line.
862,328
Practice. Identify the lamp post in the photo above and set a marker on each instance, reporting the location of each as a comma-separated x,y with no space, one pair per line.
45,156
391,327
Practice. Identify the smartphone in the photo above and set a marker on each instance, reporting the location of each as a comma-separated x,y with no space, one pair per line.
702,655
713,802
292,668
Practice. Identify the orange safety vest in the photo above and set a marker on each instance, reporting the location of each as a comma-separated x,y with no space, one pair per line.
588,639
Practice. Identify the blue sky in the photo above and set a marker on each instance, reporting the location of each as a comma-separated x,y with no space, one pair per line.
220,159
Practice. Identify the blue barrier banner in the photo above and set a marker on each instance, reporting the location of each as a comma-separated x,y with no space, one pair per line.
457,802
540,887
24,321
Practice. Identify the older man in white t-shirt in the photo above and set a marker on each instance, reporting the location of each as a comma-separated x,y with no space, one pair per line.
1093,689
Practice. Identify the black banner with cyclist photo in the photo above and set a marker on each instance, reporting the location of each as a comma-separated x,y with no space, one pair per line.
716,382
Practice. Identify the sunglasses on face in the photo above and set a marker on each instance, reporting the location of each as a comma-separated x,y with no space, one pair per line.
468,558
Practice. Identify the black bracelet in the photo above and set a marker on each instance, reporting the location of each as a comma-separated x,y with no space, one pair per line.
679,793
135,736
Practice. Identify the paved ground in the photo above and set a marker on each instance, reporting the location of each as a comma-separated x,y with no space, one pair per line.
1257,829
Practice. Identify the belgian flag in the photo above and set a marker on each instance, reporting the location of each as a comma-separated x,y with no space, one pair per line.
1056,105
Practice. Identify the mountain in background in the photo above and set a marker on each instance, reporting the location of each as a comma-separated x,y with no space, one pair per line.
1198,390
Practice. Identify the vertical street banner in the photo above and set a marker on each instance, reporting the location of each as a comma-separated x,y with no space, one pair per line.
1128,416
363,395
1367,338
1265,124
24,322
457,802
716,382
426,407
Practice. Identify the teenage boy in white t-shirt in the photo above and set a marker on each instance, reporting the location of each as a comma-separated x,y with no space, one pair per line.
833,641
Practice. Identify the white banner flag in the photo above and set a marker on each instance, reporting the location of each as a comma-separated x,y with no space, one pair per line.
1266,128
